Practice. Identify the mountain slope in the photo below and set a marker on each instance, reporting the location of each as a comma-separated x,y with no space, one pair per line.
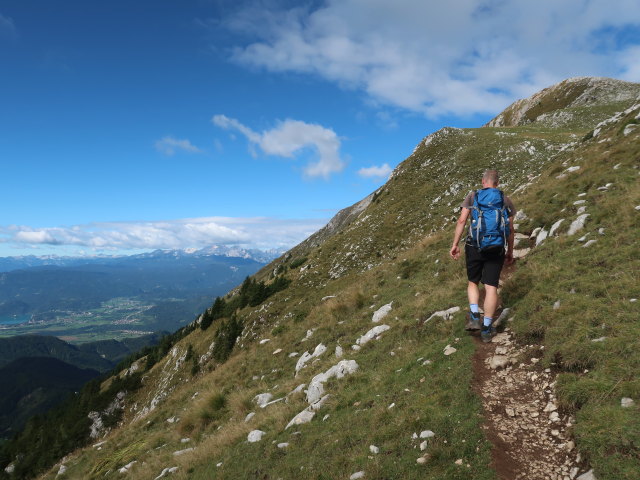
33,385
400,403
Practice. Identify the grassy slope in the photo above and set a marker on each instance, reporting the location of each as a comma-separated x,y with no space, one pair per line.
384,256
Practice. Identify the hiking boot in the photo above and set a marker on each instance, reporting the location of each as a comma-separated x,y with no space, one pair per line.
473,322
486,333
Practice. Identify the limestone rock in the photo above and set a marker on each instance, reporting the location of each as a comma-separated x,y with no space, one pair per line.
372,334
262,399
306,356
316,387
249,416
448,350
498,361
577,224
283,445
555,226
305,416
356,476
381,312
626,402
373,449
427,434
587,476
445,314
255,436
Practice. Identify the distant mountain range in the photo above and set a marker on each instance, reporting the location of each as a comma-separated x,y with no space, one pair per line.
8,264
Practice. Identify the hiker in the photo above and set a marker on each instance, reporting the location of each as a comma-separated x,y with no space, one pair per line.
489,233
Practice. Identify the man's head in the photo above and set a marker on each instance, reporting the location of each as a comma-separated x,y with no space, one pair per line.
490,179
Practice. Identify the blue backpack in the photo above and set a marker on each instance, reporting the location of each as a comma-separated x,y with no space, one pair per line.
489,220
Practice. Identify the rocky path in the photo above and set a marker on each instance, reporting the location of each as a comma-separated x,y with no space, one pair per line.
531,437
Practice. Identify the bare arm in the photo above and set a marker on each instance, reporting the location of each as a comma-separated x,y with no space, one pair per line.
454,252
509,256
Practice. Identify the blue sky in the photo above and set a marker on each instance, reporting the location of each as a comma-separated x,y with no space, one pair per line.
127,126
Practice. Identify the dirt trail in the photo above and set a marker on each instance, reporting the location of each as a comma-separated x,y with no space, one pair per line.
530,436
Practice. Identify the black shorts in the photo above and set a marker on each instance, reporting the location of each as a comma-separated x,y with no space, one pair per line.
483,267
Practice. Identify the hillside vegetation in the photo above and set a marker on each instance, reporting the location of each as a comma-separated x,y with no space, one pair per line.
317,382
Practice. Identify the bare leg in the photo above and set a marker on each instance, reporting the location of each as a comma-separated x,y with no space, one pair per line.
490,300
473,292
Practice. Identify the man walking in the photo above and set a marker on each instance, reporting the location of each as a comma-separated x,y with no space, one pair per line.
489,234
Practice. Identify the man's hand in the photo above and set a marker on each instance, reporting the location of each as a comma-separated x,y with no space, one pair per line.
455,252
508,258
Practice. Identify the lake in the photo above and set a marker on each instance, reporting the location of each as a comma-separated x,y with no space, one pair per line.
14,320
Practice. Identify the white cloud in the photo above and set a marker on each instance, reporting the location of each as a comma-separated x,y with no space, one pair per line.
290,138
169,145
7,27
383,171
260,232
458,57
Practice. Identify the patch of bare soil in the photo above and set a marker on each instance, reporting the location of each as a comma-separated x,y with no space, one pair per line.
531,438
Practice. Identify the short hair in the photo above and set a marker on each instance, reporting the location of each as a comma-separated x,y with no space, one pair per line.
491,176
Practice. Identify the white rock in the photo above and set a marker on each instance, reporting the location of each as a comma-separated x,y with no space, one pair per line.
577,224
541,237
498,361
427,434
372,334
555,226
373,449
448,350
391,406
182,452
316,386
626,402
262,399
458,462
587,476
554,417
589,243
305,416
445,314
264,340
581,210
293,354
275,352
601,231
556,305
11,468
167,471
637,207
520,215
521,253
550,407
579,202
339,351
283,445
306,356
185,440
381,313
356,476
573,169
124,469
600,339
249,416
535,232
324,299
423,446
255,436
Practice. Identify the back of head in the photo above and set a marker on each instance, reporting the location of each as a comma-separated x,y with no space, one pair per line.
491,178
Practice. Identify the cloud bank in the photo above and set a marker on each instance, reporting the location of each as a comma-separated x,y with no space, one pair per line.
460,57
290,138
170,145
383,171
259,232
